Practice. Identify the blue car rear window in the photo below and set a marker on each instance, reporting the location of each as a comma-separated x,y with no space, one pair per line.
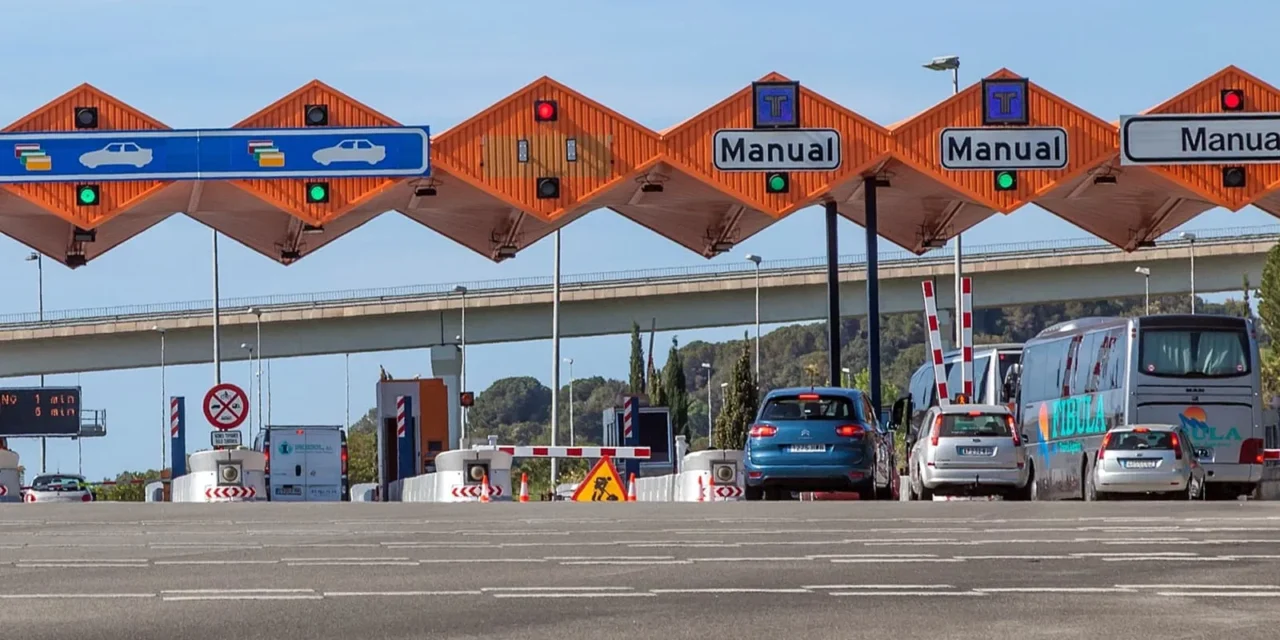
804,408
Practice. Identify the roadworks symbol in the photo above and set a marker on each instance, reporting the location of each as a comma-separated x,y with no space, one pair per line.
602,484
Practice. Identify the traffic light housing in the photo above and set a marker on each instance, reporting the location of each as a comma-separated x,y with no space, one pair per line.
1231,100
545,111
466,398
1006,180
315,115
777,182
548,188
317,192
1234,177
88,195
86,117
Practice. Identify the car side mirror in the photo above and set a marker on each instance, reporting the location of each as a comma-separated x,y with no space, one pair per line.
901,408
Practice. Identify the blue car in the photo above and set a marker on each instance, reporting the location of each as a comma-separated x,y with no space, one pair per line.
819,439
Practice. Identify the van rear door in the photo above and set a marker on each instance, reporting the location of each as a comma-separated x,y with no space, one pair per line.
323,465
287,463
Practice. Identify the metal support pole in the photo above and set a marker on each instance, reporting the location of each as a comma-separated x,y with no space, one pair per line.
873,289
555,355
164,410
347,363
833,294
757,381
44,450
217,316
1146,295
571,439
462,357
959,333
1193,277
258,329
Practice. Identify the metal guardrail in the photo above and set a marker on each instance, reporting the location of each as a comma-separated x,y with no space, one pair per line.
283,302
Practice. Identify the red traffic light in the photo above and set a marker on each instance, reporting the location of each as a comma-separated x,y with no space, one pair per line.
545,111
1232,100
467,398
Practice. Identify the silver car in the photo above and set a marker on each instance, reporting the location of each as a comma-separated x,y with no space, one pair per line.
967,448
1146,459
58,487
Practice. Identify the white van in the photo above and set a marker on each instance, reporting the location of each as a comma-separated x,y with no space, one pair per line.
305,464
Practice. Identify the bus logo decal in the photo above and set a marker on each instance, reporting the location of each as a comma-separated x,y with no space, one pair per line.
1196,422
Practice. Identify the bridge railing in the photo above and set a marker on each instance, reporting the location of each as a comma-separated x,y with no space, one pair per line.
850,262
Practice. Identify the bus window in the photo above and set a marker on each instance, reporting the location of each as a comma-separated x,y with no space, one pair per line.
1197,353
981,374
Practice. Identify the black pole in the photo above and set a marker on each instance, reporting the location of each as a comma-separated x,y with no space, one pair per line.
873,290
833,296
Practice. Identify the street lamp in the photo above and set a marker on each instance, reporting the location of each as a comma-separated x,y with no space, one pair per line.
756,259
847,381
462,355
1146,288
257,325
1191,239
569,361
164,405
248,347
724,391
37,258
710,413
952,64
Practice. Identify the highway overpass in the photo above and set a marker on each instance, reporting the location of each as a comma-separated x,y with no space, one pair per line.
606,303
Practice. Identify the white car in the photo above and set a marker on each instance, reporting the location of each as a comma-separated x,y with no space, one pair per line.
58,487
117,153
351,151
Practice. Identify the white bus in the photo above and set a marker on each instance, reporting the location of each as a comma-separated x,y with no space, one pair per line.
1080,378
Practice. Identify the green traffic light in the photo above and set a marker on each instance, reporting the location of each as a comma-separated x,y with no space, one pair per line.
317,193
777,183
88,196
1004,180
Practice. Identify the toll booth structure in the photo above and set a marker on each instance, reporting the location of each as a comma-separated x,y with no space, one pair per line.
413,427
653,430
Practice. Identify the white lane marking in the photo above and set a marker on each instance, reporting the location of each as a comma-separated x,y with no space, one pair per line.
1053,590
1018,557
45,596
905,593
213,562
610,558
324,545
890,560
231,591
76,565
1221,594
731,590
359,594
1171,559
480,560
1252,557
243,596
576,595
761,559
623,563
872,555
353,563
1152,554
353,559
879,586
549,589
1238,587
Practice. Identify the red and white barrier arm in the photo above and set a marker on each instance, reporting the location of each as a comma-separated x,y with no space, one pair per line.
617,453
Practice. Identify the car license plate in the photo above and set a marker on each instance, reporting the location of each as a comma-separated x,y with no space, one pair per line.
808,448
976,451
289,491
1140,464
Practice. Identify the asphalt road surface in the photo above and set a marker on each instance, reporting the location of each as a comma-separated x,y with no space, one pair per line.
566,571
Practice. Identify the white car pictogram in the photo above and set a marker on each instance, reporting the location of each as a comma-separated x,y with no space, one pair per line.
351,151
117,154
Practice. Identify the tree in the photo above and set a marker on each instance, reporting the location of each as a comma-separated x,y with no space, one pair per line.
675,391
362,455
637,361
509,401
888,390
1269,311
740,404
125,489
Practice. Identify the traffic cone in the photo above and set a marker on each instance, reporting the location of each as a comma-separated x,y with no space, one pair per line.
524,487
631,488
484,488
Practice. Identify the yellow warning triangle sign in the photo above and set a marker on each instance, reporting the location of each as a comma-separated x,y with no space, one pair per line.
602,484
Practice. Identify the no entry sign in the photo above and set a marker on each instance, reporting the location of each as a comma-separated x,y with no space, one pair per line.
226,406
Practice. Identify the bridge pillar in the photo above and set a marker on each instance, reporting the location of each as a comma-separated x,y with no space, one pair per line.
446,364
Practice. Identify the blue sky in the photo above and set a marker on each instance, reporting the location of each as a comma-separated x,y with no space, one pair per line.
660,61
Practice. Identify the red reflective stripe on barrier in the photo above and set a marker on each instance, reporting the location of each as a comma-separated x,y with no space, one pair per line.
539,451
575,452
608,451
508,450
642,452
1271,454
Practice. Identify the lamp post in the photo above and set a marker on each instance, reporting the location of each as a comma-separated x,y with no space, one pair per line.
346,363
846,378
1191,240
710,413
37,258
724,392
569,361
217,316
756,259
248,347
1146,289
257,327
952,64
462,356
555,354
164,405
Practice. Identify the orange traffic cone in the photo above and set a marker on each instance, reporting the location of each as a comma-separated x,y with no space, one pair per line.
524,487
484,488
631,488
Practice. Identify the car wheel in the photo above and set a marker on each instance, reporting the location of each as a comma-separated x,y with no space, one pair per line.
1090,489
753,493
772,494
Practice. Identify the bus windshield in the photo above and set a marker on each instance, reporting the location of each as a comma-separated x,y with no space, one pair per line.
1194,353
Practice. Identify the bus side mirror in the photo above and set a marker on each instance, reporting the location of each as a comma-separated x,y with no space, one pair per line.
901,408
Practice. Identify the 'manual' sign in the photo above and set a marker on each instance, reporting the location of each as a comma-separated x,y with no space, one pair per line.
989,148
776,150
1238,138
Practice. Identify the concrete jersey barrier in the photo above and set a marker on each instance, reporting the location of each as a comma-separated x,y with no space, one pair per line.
458,478
714,475
202,483
10,479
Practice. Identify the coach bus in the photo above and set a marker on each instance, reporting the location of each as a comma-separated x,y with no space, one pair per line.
1080,378
992,366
